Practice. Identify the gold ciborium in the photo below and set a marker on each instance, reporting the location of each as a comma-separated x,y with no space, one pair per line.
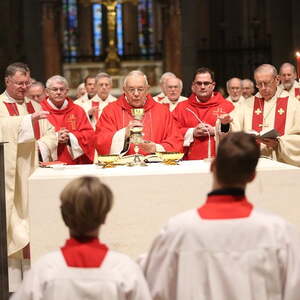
107,161
136,135
170,158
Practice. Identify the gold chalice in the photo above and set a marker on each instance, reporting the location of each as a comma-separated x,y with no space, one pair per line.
107,161
170,158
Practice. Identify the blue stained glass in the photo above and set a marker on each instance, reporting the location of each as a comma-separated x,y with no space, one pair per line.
120,42
97,29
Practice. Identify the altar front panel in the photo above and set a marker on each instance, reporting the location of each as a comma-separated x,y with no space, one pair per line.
145,197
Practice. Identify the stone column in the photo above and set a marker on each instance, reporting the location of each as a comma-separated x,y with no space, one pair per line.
51,36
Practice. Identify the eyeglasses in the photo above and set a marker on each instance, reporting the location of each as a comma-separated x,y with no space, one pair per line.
22,83
200,83
260,85
55,90
133,90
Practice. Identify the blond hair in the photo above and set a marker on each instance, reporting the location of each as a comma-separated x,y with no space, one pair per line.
85,202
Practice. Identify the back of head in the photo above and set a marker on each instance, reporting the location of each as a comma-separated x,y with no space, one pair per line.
85,202
236,159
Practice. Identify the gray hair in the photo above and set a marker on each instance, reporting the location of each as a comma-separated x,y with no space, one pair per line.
229,81
179,80
16,67
37,83
287,64
164,76
135,73
56,78
103,75
266,68
249,81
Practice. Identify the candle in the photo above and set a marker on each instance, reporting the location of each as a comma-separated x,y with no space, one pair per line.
298,63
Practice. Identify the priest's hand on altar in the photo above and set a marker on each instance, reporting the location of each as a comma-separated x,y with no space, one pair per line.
131,124
63,136
204,129
225,119
148,147
38,115
271,143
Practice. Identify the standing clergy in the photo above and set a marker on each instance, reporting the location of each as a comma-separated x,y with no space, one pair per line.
23,126
288,76
247,89
89,90
162,95
113,128
226,249
173,89
234,90
198,115
271,108
94,107
75,133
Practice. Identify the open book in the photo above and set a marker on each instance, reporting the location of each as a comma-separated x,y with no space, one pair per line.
265,134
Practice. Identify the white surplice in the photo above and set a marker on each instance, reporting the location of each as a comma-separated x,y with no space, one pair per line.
252,258
118,278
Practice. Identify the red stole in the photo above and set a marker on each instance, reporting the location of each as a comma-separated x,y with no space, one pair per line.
280,114
13,111
89,254
297,93
225,207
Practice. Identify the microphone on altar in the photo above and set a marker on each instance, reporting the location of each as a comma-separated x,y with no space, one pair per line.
209,158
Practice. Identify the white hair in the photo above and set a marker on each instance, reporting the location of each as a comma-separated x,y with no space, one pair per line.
266,68
287,64
179,80
135,73
249,81
164,76
231,79
103,75
56,78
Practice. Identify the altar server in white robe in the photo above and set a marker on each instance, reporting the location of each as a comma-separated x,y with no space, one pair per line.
226,249
271,108
84,268
288,80
24,127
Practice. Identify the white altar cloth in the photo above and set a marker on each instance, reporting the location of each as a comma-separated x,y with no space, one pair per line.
145,197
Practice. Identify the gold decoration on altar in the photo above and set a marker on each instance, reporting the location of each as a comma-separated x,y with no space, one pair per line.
112,61
170,158
108,161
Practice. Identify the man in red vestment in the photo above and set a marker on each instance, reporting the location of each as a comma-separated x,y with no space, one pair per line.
198,115
113,128
75,133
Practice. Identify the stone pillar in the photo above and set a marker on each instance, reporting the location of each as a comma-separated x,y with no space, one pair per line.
172,37
51,36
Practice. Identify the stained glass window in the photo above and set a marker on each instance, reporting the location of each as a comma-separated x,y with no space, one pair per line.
97,29
120,42
146,27
70,29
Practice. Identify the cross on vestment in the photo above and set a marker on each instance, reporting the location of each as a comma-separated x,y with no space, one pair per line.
281,111
258,111
218,112
72,121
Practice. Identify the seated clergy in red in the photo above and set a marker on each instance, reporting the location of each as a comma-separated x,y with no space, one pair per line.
75,133
113,128
198,115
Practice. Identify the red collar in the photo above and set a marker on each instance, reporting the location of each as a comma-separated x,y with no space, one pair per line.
88,254
225,207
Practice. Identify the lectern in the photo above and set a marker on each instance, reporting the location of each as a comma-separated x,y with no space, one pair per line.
3,240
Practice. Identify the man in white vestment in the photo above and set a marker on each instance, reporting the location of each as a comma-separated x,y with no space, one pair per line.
226,249
271,108
288,76
173,88
22,124
247,89
84,268
90,91
162,95
234,90
94,107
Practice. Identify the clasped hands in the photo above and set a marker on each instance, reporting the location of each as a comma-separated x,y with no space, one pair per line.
146,146
63,136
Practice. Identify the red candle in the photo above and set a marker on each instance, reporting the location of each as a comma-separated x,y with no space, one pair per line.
298,63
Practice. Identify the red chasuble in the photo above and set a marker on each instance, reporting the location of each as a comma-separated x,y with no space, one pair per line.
189,112
159,126
225,207
75,120
89,254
